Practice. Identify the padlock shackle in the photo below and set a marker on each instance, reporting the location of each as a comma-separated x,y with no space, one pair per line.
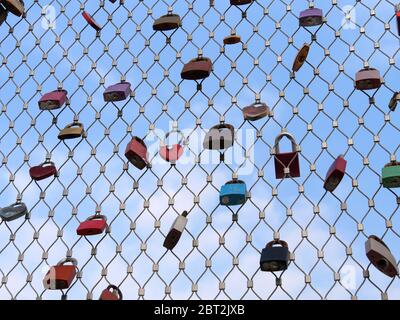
74,124
235,181
96,216
115,288
392,164
180,141
376,238
69,259
47,163
272,243
200,58
287,135
224,126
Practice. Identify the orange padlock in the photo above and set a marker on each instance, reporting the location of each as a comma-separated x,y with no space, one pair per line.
112,292
61,276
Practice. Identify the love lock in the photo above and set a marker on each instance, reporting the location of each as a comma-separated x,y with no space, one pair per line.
71,131
240,2
335,173
286,164
117,92
367,79
43,171
173,153
380,256
176,230
13,211
61,276
275,258
136,153
311,17
232,39
112,292
397,9
255,111
3,14
391,175
167,22
93,225
14,6
90,20
220,136
53,100
197,69
233,193
393,102
301,57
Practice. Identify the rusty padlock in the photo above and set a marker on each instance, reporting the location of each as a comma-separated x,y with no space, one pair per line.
286,164
240,2
136,153
176,231
61,275
174,152
167,22
301,57
256,111
43,171
93,225
311,17
90,20
367,79
393,102
53,100
13,211
220,136
71,131
112,293
232,39
380,256
117,92
16,7
335,173
3,14
275,258
197,69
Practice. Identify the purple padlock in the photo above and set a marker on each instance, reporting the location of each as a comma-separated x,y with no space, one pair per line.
117,92
311,17
53,100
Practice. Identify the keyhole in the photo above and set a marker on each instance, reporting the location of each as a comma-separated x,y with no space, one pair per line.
382,264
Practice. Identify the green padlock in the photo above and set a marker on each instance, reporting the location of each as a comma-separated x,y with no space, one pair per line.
391,175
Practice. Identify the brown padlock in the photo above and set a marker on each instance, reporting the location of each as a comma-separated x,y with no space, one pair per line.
167,22
61,276
301,57
240,2
136,153
393,102
256,111
112,293
197,69
71,131
14,6
3,14
380,256
232,39
367,79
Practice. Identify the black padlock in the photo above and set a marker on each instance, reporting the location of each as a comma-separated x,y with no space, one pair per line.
275,258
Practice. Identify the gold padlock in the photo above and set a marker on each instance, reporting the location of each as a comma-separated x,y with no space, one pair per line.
71,131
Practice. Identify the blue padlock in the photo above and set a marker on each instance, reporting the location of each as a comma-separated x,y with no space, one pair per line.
233,193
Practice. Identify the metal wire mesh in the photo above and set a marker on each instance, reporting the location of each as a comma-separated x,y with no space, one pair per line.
218,255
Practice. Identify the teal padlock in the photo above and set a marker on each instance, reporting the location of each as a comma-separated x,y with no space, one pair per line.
391,175
233,193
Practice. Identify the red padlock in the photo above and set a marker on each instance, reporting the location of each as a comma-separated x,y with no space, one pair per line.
136,153
335,174
61,276
43,171
90,20
397,9
286,164
93,225
112,292
172,153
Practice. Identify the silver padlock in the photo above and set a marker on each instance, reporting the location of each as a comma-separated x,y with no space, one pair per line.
13,211
221,136
380,256
176,230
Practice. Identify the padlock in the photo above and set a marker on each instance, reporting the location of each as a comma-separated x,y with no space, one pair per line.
311,17
301,57
391,175
275,258
14,6
112,292
197,69
240,2
93,225
255,111
380,256
335,173
61,275
397,9
167,22
367,79
232,39
90,20
13,211
221,136
176,230
117,92
43,171
393,102
233,193
174,152
3,14
53,100
286,164
71,131
136,153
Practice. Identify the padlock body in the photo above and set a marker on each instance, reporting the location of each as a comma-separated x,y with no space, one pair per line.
11,213
71,132
240,2
91,227
117,92
274,259
196,69
59,277
53,100
287,160
14,6
136,153
368,79
398,22
42,172
255,112
381,257
175,232
3,14
108,295
167,22
171,153
233,39
218,139
335,174
311,17
232,194
391,177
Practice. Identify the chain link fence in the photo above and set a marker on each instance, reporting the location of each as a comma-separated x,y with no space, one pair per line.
53,47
